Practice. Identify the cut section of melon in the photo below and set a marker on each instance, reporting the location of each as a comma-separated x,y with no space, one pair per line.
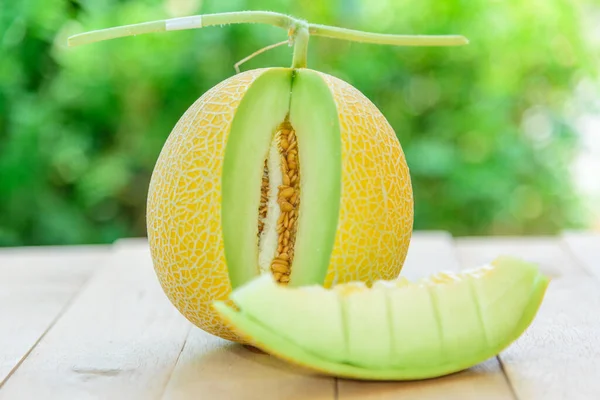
281,180
394,330
259,114
314,115
360,323
324,333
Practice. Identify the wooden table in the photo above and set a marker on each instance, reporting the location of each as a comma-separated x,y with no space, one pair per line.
91,322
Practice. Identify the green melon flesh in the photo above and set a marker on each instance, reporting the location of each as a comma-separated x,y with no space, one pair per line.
314,115
324,333
391,331
304,99
360,323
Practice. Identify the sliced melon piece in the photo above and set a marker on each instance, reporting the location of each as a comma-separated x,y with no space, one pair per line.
360,322
499,301
279,307
395,330
414,325
457,315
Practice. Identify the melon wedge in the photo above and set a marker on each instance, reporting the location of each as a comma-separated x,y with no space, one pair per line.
394,330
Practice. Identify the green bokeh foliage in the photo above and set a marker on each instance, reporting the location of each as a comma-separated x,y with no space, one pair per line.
81,128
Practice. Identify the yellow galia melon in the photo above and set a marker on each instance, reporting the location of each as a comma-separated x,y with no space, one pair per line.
282,171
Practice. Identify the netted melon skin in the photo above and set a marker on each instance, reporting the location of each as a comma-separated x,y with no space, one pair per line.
376,215
184,200
184,205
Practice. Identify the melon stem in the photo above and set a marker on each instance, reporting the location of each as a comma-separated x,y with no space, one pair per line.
298,31
351,35
300,37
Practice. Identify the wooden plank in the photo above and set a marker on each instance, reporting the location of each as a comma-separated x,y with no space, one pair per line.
585,248
429,253
559,355
546,251
118,340
218,369
36,284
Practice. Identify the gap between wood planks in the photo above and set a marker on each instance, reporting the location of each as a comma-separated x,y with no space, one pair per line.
559,355
119,339
182,363
585,248
37,285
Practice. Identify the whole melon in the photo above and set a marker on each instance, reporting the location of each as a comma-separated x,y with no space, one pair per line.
282,171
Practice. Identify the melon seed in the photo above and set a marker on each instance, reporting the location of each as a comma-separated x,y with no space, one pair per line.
264,193
287,193
285,206
282,269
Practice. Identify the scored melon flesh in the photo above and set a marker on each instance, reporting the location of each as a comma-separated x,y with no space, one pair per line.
287,307
499,297
457,313
424,329
415,330
367,332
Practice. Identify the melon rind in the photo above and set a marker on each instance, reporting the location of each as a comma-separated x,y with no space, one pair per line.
522,295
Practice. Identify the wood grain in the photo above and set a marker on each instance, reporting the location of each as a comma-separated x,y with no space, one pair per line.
559,355
585,248
36,284
219,369
546,251
118,340
428,253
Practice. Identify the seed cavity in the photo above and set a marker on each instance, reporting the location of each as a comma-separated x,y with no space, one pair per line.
289,202
264,198
287,199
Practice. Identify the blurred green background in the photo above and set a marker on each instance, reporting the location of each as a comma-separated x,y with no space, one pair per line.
488,129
